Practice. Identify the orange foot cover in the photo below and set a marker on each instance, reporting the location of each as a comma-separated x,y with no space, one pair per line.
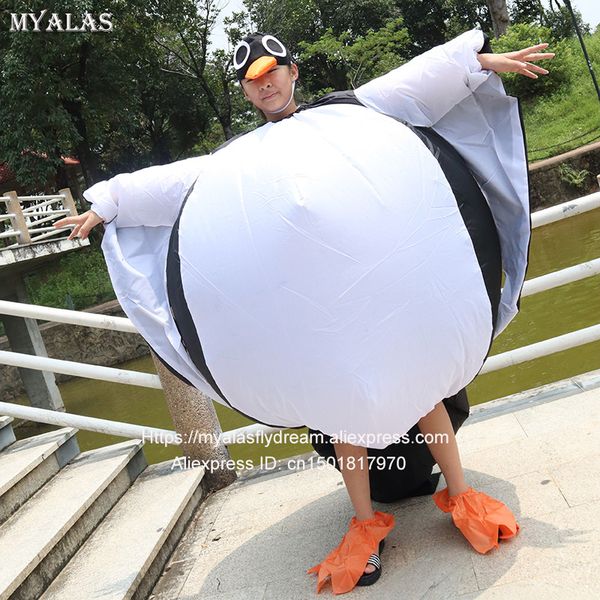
481,519
346,563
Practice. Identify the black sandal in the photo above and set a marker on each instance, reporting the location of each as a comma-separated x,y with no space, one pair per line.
371,578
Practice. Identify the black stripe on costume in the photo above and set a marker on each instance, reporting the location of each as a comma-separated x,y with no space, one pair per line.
487,46
179,308
471,202
183,318
474,211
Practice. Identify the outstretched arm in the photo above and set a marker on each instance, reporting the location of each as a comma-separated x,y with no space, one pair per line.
520,61
426,88
150,197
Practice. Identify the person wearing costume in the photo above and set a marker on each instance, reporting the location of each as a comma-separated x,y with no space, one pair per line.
339,267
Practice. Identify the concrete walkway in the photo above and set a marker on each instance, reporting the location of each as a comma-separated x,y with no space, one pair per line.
538,452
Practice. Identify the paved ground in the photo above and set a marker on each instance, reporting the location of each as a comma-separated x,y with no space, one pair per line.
538,452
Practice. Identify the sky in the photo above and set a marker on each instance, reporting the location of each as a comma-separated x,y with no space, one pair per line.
590,9
219,39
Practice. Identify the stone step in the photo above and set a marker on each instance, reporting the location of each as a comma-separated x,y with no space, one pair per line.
26,465
43,535
7,435
126,554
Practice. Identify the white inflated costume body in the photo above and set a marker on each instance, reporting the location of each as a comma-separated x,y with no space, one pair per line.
322,270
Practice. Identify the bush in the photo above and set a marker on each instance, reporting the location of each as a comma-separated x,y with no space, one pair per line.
573,177
561,67
76,281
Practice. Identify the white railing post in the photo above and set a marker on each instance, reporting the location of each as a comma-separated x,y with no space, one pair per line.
555,279
62,419
65,315
69,367
17,220
68,201
553,345
558,212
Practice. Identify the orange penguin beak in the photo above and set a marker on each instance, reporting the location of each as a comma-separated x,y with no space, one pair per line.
260,66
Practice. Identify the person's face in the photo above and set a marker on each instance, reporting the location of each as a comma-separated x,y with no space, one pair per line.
271,91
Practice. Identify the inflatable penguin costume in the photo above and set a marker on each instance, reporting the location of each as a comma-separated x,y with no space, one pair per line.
339,268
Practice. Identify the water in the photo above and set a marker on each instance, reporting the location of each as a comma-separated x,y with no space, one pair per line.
542,316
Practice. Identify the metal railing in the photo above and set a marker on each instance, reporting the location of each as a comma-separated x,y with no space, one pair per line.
493,363
68,367
29,217
565,210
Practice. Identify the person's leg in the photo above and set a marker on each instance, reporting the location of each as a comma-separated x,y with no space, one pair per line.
483,520
353,464
445,450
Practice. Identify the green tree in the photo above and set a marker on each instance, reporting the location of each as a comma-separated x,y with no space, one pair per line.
339,62
527,11
462,15
106,98
296,21
356,17
437,21
558,19
426,23
191,23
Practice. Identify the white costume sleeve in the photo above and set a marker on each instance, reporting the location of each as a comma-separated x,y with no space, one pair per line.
446,89
150,197
426,88
139,210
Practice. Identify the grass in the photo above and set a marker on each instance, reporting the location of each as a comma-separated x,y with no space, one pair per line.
76,281
570,117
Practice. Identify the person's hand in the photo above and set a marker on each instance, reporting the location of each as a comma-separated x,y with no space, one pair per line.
520,62
84,223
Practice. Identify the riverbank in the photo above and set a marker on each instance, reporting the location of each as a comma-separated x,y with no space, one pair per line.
564,177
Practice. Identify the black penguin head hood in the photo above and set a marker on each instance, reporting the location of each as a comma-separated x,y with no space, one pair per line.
257,53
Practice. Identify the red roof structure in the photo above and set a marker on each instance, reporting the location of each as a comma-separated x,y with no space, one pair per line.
5,173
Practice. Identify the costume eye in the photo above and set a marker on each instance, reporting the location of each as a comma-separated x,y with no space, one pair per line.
241,54
273,45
